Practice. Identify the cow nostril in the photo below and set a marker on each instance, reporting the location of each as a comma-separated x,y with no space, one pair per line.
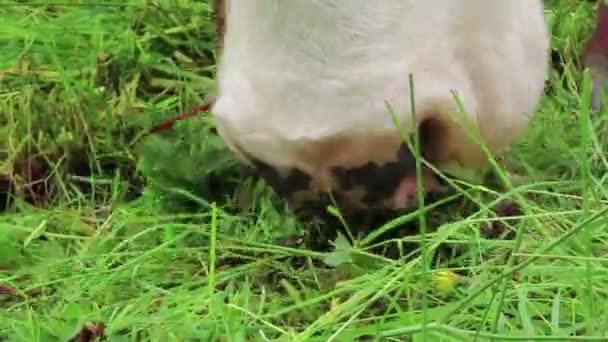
432,133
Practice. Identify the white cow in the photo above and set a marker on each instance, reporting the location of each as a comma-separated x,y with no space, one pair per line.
304,87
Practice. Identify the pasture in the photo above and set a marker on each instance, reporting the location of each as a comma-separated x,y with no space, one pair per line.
167,238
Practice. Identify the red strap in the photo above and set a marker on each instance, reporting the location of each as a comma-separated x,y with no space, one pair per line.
169,123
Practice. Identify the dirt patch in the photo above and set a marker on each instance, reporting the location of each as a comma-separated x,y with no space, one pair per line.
36,178
6,191
506,209
30,179
90,333
81,166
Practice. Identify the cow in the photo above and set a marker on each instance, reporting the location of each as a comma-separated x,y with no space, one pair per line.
323,97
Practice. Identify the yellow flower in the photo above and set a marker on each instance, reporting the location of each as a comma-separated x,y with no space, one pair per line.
446,280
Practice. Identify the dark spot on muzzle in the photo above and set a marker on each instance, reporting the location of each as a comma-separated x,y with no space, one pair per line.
284,186
379,181
378,184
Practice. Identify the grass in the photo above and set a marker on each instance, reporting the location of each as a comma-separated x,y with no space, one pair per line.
166,238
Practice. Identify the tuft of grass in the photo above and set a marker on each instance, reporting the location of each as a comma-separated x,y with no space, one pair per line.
167,238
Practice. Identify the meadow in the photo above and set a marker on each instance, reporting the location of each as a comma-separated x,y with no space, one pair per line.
107,231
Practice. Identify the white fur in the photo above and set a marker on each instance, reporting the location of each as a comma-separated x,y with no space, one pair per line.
299,70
